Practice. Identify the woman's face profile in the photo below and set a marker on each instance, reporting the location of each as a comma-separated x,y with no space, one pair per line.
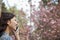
13,23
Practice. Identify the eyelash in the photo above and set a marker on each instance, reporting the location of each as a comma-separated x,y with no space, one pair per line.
15,20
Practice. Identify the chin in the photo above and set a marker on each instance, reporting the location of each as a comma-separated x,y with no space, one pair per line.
15,28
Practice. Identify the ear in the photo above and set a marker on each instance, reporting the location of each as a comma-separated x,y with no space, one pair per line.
8,22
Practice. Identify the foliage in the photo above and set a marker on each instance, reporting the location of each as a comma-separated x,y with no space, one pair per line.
45,2
47,22
4,7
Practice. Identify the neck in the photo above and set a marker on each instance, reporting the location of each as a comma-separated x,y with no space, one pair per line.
7,30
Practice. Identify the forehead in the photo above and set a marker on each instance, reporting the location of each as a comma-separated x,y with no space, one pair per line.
14,18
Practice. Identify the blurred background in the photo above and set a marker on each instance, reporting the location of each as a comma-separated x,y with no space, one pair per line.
38,19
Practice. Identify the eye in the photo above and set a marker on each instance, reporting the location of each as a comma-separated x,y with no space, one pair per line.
15,20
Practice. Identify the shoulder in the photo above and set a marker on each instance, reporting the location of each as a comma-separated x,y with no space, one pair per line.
5,37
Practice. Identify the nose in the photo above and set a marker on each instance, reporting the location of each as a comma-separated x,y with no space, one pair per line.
16,23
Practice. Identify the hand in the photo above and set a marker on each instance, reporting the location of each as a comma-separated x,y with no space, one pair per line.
16,33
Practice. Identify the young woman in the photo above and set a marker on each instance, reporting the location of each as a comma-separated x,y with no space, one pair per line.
8,24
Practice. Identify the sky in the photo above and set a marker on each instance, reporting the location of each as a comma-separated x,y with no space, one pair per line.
21,4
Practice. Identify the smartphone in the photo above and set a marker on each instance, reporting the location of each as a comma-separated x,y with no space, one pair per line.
17,29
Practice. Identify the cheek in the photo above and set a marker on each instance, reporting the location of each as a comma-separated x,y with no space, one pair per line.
13,24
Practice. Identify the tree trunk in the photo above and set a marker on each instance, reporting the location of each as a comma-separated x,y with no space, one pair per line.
0,6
